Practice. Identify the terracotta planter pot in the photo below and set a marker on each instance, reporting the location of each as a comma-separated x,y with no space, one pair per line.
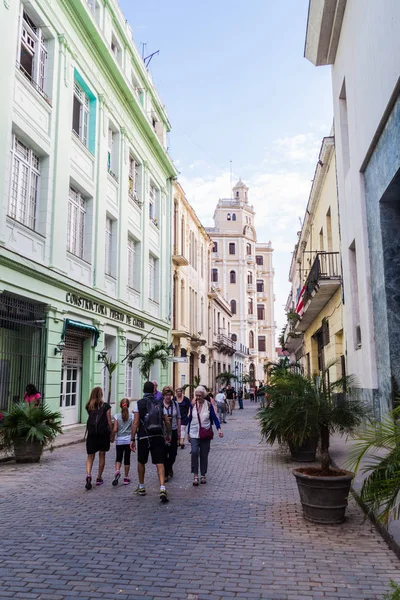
27,452
324,498
306,452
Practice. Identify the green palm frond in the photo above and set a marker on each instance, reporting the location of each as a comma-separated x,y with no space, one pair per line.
159,351
31,423
225,377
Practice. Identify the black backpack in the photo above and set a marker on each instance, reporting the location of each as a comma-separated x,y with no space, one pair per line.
97,423
153,419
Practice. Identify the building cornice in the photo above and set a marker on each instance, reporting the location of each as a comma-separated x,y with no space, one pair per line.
324,23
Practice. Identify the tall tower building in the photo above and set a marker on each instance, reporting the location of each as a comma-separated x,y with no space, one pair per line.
242,271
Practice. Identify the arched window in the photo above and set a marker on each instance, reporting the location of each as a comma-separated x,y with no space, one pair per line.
228,217
233,307
249,277
250,306
234,337
215,247
251,339
237,194
233,217
248,248
232,277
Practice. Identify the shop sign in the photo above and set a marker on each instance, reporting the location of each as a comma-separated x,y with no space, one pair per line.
103,310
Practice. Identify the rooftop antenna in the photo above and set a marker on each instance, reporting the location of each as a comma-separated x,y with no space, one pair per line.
230,162
149,57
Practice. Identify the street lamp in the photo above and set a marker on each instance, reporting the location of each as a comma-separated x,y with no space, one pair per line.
236,380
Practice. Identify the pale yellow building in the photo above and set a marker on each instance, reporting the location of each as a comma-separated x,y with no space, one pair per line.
315,326
191,286
241,270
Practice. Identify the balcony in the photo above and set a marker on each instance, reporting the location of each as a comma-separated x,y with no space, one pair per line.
253,352
250,259
225,345
216,257
179,260
251,288
251,318
323,280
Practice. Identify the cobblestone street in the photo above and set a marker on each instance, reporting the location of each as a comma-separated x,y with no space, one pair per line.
240,536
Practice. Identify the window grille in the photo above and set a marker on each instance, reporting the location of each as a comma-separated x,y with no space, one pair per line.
131,262
133,190
33,52
152,272
76,223
80,114
152,202
108,246
24,184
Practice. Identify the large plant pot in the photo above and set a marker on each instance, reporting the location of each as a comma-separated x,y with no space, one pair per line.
27,452
306,452
324,498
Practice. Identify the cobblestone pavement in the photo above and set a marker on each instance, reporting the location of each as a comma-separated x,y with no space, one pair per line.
240,536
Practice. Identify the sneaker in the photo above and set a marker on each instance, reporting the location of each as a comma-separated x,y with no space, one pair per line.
116,478
126,481
182,446
88,485
140,491
163,496
99,481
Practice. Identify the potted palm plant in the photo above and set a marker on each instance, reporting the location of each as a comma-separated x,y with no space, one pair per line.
28,429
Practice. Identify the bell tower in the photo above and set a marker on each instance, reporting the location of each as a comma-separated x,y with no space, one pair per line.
240,192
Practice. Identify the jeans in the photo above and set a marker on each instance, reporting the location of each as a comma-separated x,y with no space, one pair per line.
240,400
202,448
221,413
170,452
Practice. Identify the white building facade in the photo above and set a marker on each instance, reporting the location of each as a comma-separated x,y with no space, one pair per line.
361,42
242,272
86,204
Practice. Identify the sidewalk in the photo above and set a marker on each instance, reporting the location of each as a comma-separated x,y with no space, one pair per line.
339,451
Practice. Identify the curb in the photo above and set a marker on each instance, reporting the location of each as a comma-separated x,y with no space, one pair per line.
4,459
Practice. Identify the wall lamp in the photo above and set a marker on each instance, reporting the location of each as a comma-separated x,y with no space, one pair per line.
103,355
59,348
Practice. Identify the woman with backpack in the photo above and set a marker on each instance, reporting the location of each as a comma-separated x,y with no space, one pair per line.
98,431
200,433
122,435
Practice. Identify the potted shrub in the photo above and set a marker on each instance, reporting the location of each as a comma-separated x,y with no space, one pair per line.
377,453
28,429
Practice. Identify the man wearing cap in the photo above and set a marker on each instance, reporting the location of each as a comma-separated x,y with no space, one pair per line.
150,441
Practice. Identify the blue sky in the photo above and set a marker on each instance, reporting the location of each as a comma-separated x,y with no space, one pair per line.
237,88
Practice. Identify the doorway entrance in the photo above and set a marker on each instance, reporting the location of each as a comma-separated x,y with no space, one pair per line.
71,376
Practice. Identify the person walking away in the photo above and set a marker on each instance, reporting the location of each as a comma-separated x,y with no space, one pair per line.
98,431
261,396
172,412
240,398
149,423
200,433
230,396
184,408
157,394
122,435
210,398
221,406
31,395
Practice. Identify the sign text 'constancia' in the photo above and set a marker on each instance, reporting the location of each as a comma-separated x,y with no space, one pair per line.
103,310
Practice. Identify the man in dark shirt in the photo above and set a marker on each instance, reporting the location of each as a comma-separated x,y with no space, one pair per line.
230,396
150,443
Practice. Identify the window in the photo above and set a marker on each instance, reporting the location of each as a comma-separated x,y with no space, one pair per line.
260,312
232,249
152,203
237,194
234,337
233,217
233,307
250,278
251,339
248,249
33,53
261,343
24,184
228,217
214,275
108,244
260,285
80,114
137,89
202,262
76,223
232,277
134,172
131,262
259,260
116,48
215,247
94,7
250,306
152,278
112,154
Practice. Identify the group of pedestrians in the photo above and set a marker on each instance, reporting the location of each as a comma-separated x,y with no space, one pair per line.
155,426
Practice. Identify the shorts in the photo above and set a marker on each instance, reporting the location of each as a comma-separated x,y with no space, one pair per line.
97,443
153,445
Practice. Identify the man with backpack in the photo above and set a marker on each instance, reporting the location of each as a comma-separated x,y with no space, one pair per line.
149,424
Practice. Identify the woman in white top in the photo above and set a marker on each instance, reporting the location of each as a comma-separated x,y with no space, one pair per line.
202,416
122,435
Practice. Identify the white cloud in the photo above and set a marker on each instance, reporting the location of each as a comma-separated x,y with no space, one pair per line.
302,147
